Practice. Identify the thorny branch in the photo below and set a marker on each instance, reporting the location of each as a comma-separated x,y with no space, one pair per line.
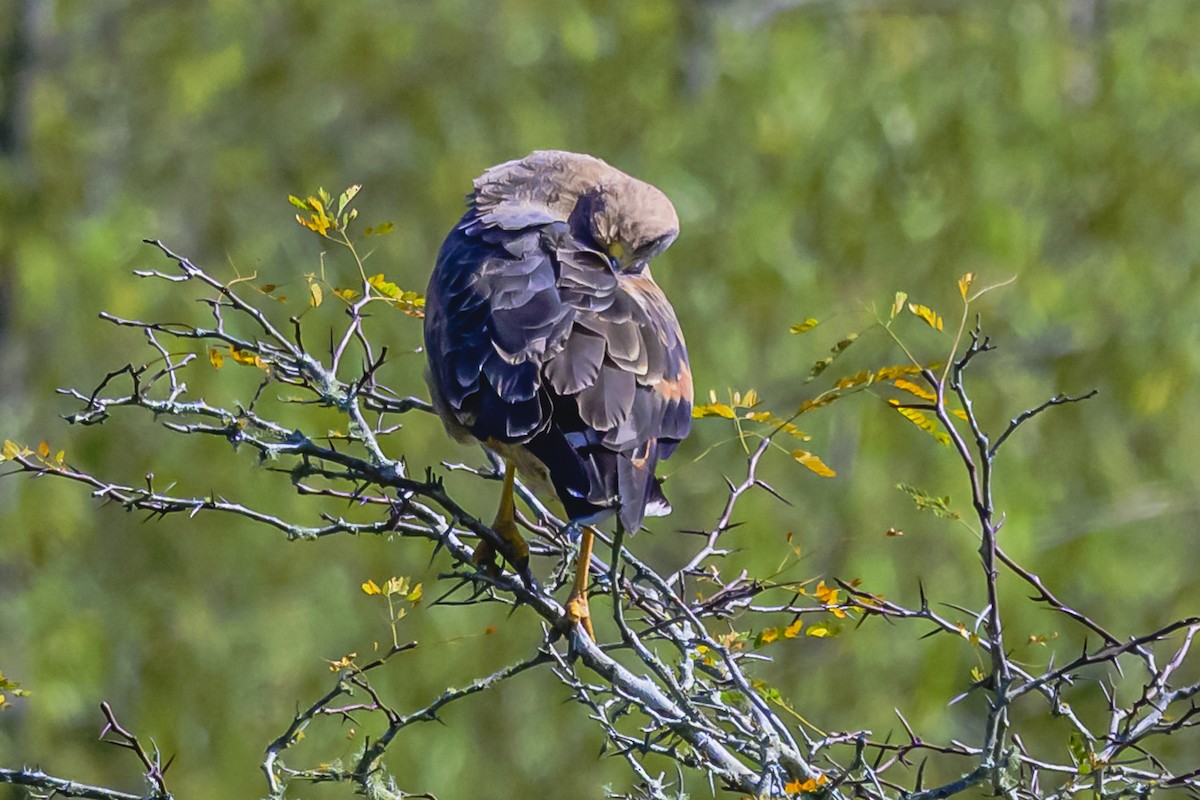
691,700
114,733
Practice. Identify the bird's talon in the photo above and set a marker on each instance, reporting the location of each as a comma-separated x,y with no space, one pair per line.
484,558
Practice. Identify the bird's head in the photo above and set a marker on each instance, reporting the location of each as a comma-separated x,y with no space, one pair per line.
628,220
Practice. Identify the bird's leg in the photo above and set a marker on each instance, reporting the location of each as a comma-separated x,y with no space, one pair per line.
505,524
577,601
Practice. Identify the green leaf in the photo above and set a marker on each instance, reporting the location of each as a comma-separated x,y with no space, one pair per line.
348,195
836,351
940,506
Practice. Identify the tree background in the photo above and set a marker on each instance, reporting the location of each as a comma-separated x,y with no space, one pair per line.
822,156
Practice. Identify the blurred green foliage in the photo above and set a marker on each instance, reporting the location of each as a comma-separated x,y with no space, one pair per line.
821,158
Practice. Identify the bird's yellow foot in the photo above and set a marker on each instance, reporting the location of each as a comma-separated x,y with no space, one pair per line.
515,550
578,612
577,601
484,558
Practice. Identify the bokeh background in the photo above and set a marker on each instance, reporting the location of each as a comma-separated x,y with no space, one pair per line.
822,156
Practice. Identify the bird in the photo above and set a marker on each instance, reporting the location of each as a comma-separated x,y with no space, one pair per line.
549,342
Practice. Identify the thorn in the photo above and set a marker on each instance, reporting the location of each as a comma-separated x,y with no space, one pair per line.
759,482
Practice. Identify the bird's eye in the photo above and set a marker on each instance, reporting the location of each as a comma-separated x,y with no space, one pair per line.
614,263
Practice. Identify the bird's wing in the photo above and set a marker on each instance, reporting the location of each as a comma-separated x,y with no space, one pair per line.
621,383
534,340
492,312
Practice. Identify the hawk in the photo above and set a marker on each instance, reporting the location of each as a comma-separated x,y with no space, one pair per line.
549,342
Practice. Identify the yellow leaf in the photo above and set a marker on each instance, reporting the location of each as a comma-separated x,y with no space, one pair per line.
410,303
10,450
807,787
315,295
396,586
246,357
976,675
769,635
922,421
414,596
826,594
215,358
380,230
818,630
915,389
958,412
964,283
371,587
793,630
349,295
713,410
771,419
267,288
805,327
891,373
748,400
345,662
970,636
44,449
383,285
928,314
813,463
898,303
817,402
857,379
